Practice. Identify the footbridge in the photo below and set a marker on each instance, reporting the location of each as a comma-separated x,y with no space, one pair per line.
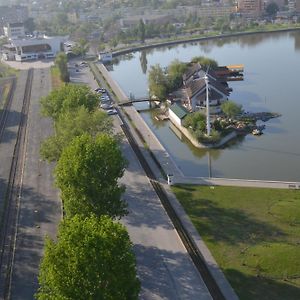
138,100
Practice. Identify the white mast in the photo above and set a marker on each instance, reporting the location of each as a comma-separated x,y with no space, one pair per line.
207,106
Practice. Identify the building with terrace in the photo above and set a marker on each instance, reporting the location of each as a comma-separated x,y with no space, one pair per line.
33,48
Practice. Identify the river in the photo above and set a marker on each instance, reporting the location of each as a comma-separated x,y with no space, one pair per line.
271,83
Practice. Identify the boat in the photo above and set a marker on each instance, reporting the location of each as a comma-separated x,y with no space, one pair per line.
257,131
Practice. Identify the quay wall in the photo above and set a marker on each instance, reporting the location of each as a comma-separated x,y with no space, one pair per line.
198,145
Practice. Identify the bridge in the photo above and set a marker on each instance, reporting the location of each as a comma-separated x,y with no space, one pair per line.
133,100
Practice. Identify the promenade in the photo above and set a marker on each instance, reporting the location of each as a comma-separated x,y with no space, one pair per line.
166,162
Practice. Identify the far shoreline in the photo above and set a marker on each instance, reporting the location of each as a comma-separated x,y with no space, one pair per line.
197,39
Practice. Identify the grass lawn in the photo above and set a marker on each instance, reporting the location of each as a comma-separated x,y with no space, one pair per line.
254,235
6,71
55,76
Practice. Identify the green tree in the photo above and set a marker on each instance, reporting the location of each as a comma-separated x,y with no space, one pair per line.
72,124
29,24
81,47
61,61
272,8
175,71
68,98
142,30
92,259
205,62
195,122
87,174
158,83
231,109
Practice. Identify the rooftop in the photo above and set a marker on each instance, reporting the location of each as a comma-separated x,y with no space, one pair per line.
179,110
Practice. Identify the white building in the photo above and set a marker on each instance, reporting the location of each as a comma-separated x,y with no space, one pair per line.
14,30
177,113
105,57
33,48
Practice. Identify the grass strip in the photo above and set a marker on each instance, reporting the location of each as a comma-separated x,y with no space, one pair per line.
254,235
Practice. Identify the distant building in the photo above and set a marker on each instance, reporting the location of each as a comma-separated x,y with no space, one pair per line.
251,8
147,19
14,30
105,57
33,48
12,14
294,6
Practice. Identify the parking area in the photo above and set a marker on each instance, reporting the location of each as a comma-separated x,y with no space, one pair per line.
80,73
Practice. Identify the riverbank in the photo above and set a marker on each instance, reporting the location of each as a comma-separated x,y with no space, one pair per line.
131,49
252,233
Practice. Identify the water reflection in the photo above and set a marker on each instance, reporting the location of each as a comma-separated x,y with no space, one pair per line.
144,62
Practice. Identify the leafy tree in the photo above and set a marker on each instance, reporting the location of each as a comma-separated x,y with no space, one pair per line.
195,122
175,71
87,174
92,259
231,109
29,25
205,62
158,83
81,47
61,61
72,124
272,8
68,98
142,30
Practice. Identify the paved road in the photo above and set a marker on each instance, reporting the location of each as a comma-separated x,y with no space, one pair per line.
40,207
164,267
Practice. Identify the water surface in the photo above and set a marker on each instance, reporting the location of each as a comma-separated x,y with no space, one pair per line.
272,83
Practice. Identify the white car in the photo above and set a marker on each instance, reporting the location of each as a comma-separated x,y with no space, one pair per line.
112,112
106,106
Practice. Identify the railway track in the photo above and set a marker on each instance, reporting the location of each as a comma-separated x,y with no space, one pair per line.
6,108
185,237
9,220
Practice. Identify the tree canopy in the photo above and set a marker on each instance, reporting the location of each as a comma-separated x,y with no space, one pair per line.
72,124
87,174
195,121
231,109
175,71
68,98
92,259
205,62
61,61
158,83
272,8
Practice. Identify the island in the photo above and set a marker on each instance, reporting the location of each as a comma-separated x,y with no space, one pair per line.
195,98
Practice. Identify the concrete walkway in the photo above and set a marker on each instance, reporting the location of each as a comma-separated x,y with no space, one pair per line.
170,168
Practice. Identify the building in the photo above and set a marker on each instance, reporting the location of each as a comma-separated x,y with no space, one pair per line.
12,14
250,8
105,57
294,6
177,113
33,48
14,30
195,88
147,19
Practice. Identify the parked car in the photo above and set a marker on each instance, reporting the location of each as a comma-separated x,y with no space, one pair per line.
106,106
112,112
